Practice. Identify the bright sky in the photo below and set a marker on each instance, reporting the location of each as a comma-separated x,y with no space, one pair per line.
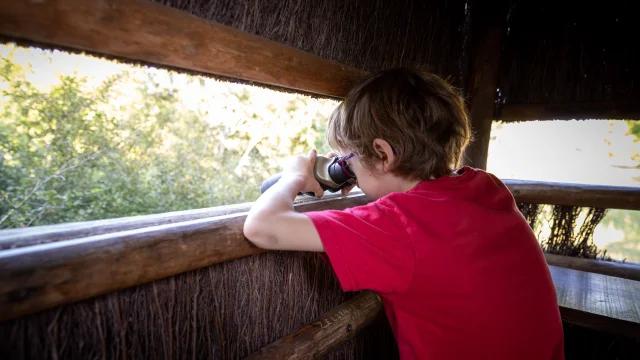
591,152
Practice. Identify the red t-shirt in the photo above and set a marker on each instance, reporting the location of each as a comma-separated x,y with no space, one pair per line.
460,271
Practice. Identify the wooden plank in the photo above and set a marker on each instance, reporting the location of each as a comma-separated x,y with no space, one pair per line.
488,25
14,238
598,301
39,277
594,110
157,34
535,192
326,333
618,269
607,197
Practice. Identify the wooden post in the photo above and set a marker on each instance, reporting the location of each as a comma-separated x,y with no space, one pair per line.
487,27
326,333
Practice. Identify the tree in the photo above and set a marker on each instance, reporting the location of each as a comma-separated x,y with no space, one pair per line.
131,145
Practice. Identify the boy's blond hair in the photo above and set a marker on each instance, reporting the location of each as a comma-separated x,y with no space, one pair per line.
419,114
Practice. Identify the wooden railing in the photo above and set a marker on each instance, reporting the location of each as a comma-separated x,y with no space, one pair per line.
69,269
532,192
94,258
42,276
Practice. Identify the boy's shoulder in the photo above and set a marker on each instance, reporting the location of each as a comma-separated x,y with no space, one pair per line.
471,185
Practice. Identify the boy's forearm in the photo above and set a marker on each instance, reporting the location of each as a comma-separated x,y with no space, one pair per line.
279,197
276,201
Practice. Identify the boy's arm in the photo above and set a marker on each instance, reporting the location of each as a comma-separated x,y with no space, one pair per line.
272,222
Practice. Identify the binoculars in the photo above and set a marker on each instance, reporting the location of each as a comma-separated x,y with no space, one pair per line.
332,173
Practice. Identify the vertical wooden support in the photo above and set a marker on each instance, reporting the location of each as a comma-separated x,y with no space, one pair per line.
488,20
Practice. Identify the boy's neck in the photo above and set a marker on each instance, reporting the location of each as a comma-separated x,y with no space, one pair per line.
398,184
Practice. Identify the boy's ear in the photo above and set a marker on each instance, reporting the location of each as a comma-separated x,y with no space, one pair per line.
385,154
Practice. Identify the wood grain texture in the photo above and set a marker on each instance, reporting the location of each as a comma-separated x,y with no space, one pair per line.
15,238
42,276
618,269
326,333
598,301
534,192
569,111
38,277
606,197
157,34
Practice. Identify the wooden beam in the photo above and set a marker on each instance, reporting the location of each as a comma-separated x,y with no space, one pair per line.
21,237
600,196
38,277
157,34
488,25
618,269
325,334
598,301
43,276
582,111
534,192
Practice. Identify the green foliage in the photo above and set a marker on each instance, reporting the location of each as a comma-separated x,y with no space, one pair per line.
626,220
634,128
129,146
629,222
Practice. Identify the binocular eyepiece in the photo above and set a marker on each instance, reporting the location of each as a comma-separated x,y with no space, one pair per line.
332,173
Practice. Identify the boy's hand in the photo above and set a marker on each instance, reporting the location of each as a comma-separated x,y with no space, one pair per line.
301,170
345,191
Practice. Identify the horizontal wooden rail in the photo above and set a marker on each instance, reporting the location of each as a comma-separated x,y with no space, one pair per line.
15,238
534,192
617,269
38,277
42,276
157,34
326,333
569,111
600,196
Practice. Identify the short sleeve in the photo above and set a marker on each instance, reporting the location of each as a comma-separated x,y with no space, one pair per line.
367,246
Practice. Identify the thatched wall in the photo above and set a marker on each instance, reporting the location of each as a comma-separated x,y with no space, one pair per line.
225,311
569,51
229,310
368,35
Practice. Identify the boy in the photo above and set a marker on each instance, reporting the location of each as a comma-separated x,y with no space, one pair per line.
459,270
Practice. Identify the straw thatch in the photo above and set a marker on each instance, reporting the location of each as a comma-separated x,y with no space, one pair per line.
571,229
570,52
368,35
225,311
